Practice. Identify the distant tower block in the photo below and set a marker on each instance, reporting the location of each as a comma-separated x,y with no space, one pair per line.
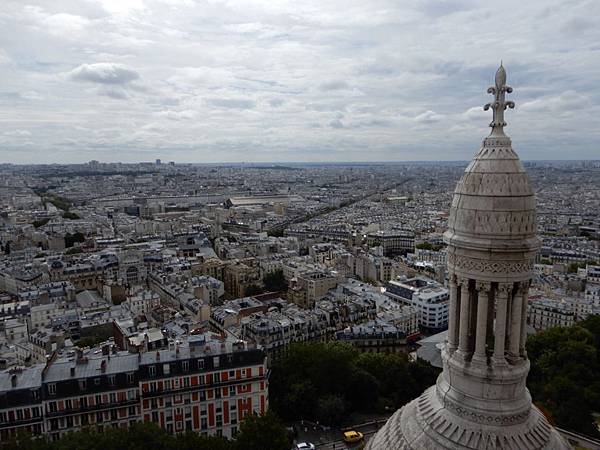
480,400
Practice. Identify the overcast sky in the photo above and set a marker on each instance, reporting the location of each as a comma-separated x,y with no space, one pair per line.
301,80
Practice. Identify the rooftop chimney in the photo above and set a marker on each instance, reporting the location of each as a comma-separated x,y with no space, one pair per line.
103,366
13,380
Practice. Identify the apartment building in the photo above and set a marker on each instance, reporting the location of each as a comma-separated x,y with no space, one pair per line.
206,385
429,298
394,242
547,313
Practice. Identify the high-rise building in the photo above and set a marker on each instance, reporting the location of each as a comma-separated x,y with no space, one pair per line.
480,400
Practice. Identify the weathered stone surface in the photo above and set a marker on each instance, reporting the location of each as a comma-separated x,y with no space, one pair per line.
480,400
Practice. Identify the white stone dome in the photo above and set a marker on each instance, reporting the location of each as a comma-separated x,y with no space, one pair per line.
480,400
492,223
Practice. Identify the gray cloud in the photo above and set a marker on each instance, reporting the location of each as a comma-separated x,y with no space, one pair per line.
104,73
428,117
276,102
342,79
234,103
333,85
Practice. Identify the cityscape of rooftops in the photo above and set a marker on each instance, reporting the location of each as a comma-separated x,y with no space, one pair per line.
254,225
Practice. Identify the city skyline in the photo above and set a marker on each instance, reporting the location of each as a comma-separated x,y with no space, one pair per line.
224,82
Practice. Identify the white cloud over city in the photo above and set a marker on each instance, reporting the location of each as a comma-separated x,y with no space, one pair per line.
267,80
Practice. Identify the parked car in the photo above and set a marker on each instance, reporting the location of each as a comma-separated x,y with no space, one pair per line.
305,446
353,436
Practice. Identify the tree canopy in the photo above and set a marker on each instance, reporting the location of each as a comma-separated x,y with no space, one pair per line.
275,281
329,381
565,374
256,432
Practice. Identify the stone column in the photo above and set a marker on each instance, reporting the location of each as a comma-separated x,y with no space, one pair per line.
514,339
500,328
453,316
463,337
524,301
483,290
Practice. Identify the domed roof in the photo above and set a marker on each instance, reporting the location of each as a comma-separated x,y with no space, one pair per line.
493,207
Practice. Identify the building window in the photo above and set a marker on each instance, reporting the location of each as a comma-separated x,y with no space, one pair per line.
185,366
111,380
152,371
216,361
82,385
166,369
52,388
200,364
97,381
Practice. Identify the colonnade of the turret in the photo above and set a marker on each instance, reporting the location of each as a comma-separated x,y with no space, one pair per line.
487,320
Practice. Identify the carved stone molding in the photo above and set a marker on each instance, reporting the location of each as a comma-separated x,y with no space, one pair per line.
479,417
483,286
505,288
491,267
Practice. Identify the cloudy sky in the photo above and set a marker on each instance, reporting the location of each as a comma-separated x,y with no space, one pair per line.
293,80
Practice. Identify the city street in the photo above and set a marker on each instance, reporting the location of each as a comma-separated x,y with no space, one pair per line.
332,439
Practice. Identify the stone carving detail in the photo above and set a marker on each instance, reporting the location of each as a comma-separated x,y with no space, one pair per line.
482,286
478,417
501,267
499,91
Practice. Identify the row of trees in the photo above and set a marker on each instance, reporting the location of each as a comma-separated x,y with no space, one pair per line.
330,381
564,378
256,433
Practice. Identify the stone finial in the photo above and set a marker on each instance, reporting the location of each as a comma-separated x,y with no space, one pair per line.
500,103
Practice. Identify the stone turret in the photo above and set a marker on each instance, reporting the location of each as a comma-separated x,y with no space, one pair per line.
480,400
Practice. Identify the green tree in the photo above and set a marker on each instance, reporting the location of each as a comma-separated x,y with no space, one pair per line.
565,373
275,281
40,222
364,382
70,215
331,409
253,289
264,432
71,239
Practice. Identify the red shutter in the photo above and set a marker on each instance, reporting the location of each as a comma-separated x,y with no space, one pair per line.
196,416
211,414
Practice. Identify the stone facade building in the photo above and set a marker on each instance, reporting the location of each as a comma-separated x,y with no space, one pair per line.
480,400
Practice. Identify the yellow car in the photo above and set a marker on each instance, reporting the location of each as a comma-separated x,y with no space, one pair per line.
353,436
